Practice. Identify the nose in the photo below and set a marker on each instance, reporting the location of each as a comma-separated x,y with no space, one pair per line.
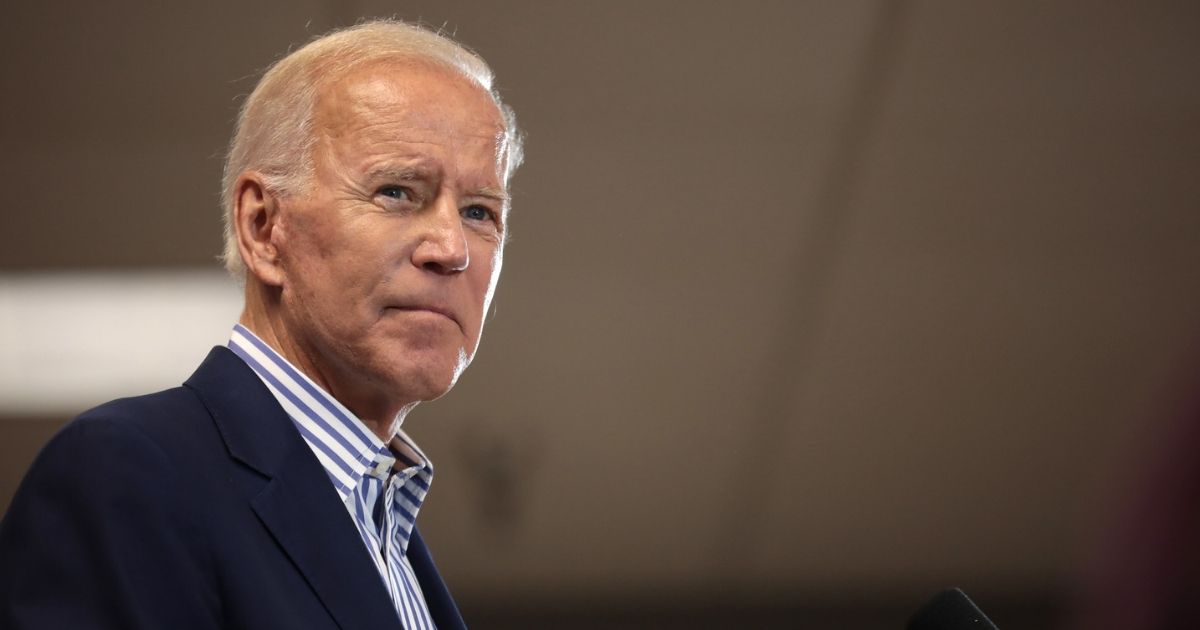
442,245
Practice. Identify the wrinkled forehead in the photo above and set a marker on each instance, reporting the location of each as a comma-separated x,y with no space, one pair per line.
419,96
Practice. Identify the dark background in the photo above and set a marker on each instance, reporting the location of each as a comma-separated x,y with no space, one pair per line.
811,309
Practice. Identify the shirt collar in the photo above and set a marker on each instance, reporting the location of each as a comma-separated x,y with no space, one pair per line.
346,448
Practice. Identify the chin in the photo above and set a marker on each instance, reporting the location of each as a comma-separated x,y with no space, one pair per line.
425,381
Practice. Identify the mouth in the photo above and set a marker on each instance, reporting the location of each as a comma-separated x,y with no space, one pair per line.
427,308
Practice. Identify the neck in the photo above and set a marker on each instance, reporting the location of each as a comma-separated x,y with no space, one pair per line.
382,414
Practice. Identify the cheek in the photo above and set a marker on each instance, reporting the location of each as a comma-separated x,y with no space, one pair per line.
297,239
496,261
326,252
316,229
307,247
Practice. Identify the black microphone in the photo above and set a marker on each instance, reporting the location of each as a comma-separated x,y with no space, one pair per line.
950,610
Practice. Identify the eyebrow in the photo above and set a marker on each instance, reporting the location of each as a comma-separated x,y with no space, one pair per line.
490,192
405,173
425,173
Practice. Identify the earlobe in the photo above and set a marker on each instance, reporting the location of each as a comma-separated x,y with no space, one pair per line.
256,213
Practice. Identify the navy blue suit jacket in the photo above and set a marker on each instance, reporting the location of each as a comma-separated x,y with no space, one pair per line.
196,507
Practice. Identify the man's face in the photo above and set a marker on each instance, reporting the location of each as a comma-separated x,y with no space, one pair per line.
391,256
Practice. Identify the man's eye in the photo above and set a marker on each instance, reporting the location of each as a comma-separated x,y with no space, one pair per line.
396,192
476,213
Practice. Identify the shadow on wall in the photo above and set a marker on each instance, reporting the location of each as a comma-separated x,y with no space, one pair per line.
1147,575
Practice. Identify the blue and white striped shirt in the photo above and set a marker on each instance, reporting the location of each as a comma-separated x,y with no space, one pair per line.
382,485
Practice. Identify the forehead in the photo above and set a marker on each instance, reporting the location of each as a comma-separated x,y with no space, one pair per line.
412,99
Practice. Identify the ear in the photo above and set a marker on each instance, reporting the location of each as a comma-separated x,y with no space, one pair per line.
255,216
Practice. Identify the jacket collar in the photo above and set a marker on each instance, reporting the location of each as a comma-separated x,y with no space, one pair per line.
297,504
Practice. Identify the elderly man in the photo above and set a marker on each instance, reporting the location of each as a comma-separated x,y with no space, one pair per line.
366,207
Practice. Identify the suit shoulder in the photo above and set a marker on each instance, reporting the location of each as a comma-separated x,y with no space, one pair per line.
148,412
127,452
102,457
168,419
105,525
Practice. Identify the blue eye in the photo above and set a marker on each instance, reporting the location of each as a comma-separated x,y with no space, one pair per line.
476,213
396,192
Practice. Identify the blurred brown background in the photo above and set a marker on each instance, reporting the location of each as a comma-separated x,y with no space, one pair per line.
811,309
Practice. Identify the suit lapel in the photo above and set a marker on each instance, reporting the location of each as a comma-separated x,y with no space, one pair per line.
298,504
302,511
441,606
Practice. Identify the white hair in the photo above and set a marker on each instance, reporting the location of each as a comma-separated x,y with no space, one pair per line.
275,135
